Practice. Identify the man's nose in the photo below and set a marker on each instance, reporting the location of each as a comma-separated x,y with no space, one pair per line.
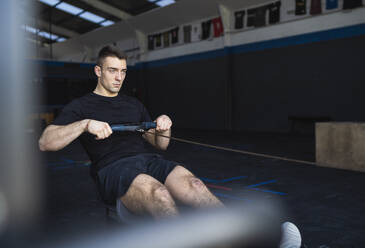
119,76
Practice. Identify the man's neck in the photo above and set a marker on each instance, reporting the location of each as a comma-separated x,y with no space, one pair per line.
103,92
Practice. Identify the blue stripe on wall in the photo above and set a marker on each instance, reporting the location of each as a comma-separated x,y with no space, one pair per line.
186,58
327,35
47,63
332,34
60,63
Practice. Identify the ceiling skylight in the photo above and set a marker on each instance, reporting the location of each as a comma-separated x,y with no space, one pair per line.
78,12
92,17
69,8
48,35
163,3
30,29
50,2
107,23
43,33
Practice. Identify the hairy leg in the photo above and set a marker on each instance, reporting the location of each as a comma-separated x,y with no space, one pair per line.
147,195
188,189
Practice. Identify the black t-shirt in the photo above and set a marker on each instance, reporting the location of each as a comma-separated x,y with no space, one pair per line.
113,110
251,17
151,42
274,12
351,4
300,7
166,39
158,40
187,34
206,29
260,18
239,17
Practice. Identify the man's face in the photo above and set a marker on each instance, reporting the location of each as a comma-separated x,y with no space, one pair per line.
111,75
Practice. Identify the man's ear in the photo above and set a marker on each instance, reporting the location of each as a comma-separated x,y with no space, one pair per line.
97,70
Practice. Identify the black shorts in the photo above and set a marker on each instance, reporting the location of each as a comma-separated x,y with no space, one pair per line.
115,179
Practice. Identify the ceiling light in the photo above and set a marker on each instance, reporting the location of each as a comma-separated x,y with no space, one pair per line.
69,8
92,17
50,2
163,3
107,23
41,33
30,29
48,35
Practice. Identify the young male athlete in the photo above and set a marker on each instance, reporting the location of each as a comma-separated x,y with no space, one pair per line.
124,167
125,170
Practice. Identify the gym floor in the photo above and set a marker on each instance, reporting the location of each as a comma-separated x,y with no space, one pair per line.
326,204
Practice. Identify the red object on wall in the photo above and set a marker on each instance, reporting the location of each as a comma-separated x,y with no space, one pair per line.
218,26
316,7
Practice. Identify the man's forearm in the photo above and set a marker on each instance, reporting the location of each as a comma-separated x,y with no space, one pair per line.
163,142
157,141
55,138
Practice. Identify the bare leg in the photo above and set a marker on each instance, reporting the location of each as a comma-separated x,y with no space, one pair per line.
147,195
188,189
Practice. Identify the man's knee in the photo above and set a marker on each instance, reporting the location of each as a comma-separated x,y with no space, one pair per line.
196,183
152,188
185,177
147,194
144,185
161,194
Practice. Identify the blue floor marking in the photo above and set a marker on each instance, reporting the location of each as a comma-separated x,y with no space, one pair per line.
259,184
270,191
70,161
254,187
232,179
221,181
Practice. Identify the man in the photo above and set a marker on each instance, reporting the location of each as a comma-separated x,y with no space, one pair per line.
121,163
125,171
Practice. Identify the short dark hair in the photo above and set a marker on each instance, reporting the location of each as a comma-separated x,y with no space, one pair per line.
109,51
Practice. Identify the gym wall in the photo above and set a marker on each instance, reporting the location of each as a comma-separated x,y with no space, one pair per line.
263,79
260,90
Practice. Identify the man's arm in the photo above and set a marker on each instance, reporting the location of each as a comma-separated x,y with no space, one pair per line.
163,127
56,137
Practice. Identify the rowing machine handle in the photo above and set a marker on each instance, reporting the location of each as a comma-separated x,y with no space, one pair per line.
148,125
133,128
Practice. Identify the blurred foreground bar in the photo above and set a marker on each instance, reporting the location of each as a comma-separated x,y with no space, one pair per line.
20,178
256,224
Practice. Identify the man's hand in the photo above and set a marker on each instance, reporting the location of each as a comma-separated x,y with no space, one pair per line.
163,127
100,129
163,123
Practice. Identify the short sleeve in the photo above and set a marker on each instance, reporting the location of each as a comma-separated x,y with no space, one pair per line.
69,114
